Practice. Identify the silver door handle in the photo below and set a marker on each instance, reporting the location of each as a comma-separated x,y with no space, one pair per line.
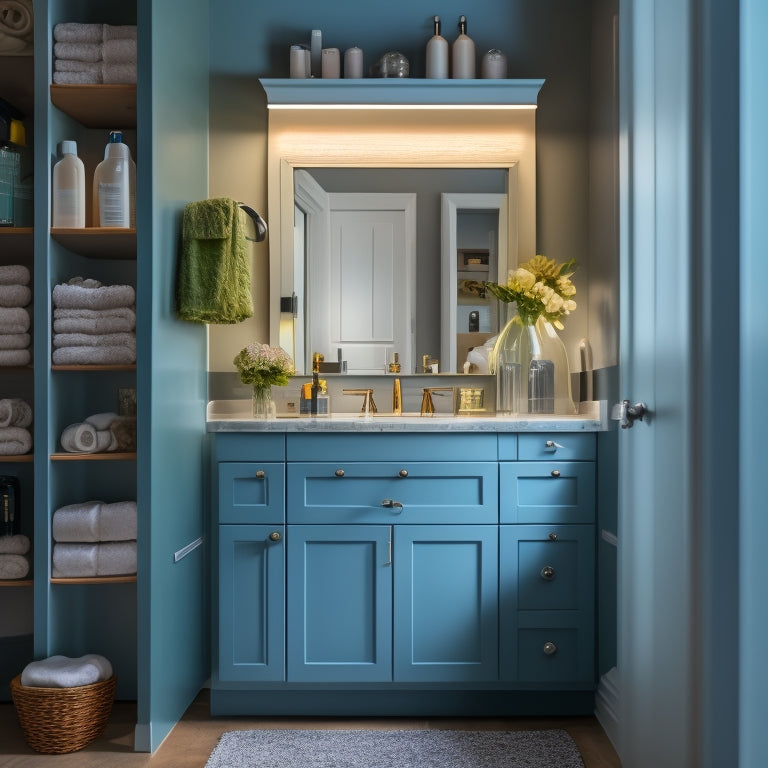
627,413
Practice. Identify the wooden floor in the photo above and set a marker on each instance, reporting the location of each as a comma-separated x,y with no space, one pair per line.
192,740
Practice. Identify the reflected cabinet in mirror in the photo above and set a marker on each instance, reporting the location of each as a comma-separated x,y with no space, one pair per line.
385,222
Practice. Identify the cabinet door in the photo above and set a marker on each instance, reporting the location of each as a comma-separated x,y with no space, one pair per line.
251,603
251,492
547,604
446,603
339,603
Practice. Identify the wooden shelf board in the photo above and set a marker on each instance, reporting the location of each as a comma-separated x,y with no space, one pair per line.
117,456
16,582
98,242
18,458
97,106
16,368
95,580
131,367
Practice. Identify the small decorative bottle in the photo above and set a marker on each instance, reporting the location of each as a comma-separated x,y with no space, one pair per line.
437,54
463,53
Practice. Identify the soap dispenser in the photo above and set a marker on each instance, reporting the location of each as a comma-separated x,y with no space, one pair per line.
114,186
463,53
437,54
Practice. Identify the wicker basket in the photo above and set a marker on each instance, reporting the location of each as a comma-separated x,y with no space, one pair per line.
57,720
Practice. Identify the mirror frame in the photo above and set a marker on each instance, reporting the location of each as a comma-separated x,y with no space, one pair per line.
407,132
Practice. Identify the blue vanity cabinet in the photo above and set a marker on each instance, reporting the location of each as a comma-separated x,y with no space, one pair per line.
547,562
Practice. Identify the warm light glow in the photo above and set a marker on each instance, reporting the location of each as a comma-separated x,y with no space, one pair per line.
402,106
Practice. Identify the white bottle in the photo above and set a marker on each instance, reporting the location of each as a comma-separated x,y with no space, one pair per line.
68,189
463,53
437,54
114,186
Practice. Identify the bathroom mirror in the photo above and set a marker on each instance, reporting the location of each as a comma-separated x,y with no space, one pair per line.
395,153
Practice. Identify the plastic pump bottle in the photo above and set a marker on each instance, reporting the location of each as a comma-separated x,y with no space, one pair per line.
437,54
69,188
463,53
114,186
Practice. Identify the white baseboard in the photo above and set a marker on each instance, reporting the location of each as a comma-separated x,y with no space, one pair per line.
607,705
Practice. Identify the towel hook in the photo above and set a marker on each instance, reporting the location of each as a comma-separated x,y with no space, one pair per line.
258,221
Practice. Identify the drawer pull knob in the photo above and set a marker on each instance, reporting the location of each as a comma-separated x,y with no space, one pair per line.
550,649
555,473
547,573
260,474
339,473
392,504
275,536
403,473
553,536
552,445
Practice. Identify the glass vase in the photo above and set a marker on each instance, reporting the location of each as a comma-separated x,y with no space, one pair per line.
263,407
531,368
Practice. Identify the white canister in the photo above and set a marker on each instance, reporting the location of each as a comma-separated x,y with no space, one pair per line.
353,62
494,65
299,59
331,63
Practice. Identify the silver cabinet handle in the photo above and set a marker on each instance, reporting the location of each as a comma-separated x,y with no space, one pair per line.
552,445
555,473
275,536
550,649
392,504
403,473
547,573
339,473
260,474
553,536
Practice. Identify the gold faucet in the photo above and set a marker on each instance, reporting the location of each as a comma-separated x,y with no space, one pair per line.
397,398
369,407
427,404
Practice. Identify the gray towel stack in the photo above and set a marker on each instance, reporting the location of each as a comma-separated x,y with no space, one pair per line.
15,298
93,324
94,53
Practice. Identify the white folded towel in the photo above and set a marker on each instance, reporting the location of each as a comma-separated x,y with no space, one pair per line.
80,438
80,296
74,32
15,357
95,521
15,412
78,78
13,567
104,355
94,325
15,295
119,72
95,315
66,672
81,560
78,51
14,320
119,51
119,32
15,441
14,274
15,340
93,339
18,544
70,65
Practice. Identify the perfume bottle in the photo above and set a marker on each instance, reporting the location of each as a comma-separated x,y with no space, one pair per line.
463,53
437,54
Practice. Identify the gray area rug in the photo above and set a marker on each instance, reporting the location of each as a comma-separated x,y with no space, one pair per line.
395,749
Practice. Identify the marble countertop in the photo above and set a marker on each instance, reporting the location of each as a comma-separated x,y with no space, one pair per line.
235,416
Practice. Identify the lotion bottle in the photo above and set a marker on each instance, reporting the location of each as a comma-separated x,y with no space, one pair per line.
68,208
463,53
114,186
437,54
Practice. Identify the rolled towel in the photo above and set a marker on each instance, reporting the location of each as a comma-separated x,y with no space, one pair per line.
72,296
105,355
78,78
118,72
13,567
15,412
77,522
93,339
15,340
18,544
79,438
78,51
105,441
95,326
119,32
14,274
14,320
74,32
84,282
119,51
13,357
101,420
118,521
15,295
15,441
66,672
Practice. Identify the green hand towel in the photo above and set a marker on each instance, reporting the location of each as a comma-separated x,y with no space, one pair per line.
214,279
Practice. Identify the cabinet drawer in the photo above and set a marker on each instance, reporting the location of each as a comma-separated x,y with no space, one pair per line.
559,446
251,492
547,492
388,492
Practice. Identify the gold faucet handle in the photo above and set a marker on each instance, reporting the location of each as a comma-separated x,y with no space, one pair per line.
427,404
368,405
